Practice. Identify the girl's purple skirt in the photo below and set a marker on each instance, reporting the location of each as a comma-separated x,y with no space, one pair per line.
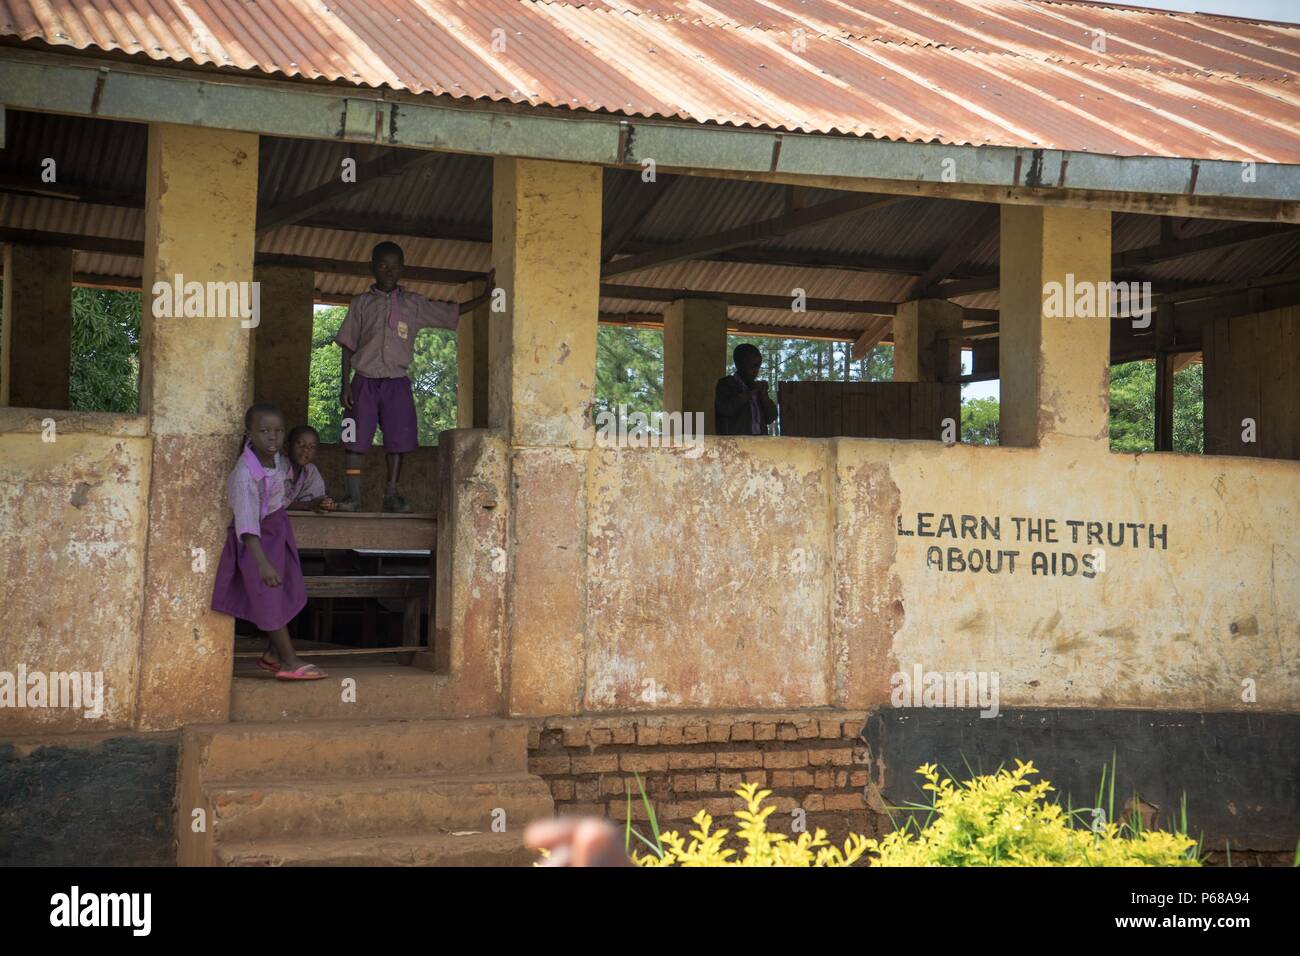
239,590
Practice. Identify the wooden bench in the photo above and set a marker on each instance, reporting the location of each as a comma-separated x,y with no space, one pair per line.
410,589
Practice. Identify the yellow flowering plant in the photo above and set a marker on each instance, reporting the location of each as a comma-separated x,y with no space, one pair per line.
1004,819
759,846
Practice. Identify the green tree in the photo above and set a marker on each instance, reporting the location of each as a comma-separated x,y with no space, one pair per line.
1132,406
1189,410
629,370
105,362
323,410
808,360
979,421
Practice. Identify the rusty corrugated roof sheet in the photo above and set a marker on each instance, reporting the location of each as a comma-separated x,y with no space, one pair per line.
1026,73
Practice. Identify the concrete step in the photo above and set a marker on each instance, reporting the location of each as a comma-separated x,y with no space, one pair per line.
379,692
276,809
338,748
461,848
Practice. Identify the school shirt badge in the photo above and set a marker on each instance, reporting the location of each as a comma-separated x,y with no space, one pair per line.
401,329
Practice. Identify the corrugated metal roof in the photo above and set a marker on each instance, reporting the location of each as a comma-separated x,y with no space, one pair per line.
1025,73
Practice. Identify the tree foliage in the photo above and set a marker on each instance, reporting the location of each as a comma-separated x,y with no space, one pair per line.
979,421
805,360
105,364
629,370
1133,412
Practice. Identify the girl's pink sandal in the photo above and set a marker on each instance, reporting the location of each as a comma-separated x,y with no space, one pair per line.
273,667
302,673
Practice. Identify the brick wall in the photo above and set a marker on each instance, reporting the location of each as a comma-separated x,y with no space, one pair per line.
810,760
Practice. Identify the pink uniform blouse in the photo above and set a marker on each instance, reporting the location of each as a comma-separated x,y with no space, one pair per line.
380,329
251,497
309,486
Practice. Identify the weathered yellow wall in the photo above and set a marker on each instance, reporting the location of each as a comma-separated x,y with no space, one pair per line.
709,580
72,564
694,579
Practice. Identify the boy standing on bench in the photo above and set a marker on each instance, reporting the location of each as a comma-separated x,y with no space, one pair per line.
378,341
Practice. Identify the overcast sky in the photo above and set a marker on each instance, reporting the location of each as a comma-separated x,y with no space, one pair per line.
1287,11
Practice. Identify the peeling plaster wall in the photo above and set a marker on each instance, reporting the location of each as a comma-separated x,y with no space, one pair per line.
772,574
72,521
709,580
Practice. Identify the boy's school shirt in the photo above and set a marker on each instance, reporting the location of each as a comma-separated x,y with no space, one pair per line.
256,492
380,329
309,486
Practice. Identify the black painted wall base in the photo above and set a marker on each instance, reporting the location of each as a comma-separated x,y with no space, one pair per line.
103,801
1240,772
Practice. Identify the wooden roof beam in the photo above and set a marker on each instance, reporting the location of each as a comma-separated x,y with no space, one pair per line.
751,233
369,176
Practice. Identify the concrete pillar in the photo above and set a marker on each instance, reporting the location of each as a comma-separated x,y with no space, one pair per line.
1055,369
695,356
36,338
200,214
545,224
282,340
542,370
925,347
472,363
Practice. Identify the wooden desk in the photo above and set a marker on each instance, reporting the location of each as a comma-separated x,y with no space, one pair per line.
364,529
344,531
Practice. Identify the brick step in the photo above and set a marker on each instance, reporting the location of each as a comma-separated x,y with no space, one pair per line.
340,748
274,809
382,692
394,849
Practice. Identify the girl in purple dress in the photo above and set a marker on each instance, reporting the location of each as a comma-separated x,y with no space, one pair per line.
259,577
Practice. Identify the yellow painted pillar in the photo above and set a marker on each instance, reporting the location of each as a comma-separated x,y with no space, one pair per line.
36,342
542,358
200,214
472,362
695,356
282,340
545,223
1054,336
925,347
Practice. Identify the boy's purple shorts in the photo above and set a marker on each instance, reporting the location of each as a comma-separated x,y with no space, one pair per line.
386,402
